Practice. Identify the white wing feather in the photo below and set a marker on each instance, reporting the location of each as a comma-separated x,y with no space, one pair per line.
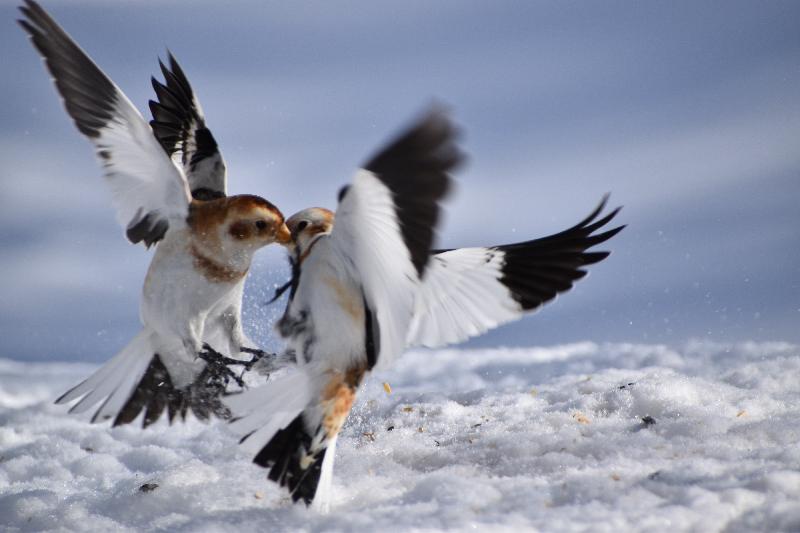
141,176
468,291
368,232
461,296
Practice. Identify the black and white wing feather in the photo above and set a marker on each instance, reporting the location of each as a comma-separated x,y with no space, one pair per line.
468,291
180,126
386,222
149,191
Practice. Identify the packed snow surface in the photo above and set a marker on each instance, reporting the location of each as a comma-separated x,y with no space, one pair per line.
582,437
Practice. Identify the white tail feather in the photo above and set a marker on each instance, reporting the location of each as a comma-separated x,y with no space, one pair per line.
105,387
261,437
263,411
92,381
113,382
322,498
117,399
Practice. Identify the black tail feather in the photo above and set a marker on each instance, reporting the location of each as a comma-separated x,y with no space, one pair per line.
156,392
284,457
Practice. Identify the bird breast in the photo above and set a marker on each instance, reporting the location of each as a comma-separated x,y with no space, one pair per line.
349,301
212,269
328,312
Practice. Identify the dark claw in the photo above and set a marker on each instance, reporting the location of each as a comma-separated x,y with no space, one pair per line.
216,363
254,351
219,358
257,356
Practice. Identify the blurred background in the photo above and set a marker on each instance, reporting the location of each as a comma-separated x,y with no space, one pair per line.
687,112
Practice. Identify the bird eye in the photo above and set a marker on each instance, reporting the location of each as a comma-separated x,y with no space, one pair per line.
302,225
260,224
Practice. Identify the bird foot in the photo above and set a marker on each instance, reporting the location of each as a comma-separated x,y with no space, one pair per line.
217,365
257,356
265,363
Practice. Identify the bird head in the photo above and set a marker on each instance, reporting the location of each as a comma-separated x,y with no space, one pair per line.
234,227
305,225
254,222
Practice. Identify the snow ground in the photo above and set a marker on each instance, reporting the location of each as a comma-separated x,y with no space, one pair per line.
548,439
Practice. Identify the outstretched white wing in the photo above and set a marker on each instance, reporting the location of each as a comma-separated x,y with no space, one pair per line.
385,225
149,191
468,291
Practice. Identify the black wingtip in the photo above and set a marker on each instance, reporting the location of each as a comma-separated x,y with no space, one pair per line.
596,212
173,64
155,83
537,271
29,6
25,26
90,98
416,167
603,237
605,220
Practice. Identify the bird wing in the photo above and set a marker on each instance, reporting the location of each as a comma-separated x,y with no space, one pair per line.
385,225
179,125
149,191
468,291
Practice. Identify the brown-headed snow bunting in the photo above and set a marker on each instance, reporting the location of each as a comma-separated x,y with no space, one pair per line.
203,253
179,124
351,306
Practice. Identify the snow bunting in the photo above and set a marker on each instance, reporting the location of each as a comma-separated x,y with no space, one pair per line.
351,306
180,127
458,294
465,292
203,254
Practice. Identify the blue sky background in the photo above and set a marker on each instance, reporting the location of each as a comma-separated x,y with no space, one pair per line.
687,112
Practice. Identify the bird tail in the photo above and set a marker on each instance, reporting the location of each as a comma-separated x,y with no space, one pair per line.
114,382
137,379
322,498
284,423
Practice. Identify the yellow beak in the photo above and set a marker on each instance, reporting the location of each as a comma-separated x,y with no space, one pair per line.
283,235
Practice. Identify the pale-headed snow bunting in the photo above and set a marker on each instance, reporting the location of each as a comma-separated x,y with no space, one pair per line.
351,306
459,294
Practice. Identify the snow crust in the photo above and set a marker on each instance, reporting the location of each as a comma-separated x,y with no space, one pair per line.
547,439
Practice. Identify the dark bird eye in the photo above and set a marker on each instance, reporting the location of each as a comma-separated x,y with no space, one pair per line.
302,225
260,224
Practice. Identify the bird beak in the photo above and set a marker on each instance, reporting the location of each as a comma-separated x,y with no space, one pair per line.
283,235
